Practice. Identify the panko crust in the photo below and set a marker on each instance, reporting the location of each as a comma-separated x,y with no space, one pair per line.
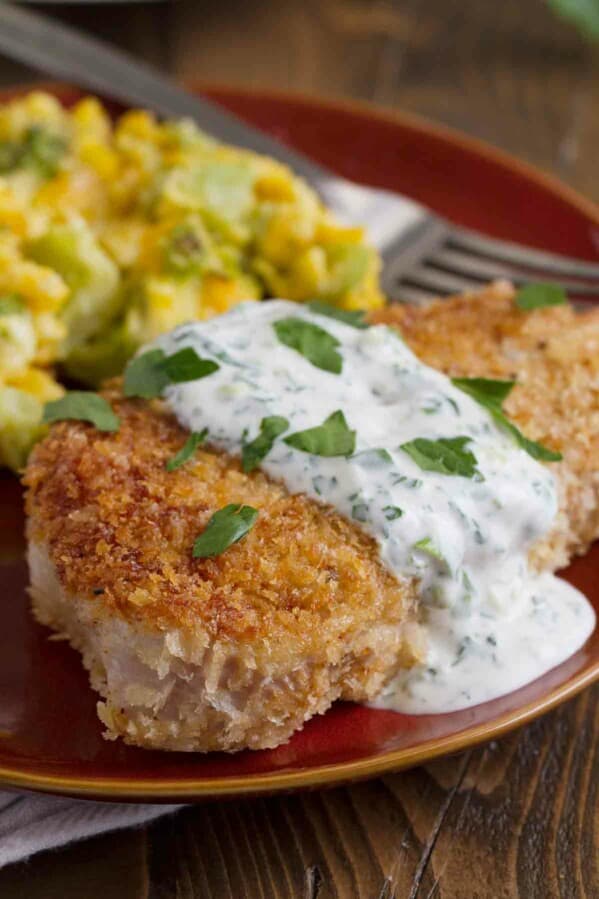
238,651
120,529
203,654
182,690
553,354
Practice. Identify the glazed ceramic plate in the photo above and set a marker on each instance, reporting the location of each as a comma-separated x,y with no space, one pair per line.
50,738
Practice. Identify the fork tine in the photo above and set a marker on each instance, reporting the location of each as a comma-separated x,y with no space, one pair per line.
416,296
506,251
462,263
436,281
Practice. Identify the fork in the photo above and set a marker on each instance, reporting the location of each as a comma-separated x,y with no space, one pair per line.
423,254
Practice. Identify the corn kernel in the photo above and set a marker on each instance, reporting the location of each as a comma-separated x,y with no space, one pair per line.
39,383
42,288
90,117
99,157
219,293
139,124
276,186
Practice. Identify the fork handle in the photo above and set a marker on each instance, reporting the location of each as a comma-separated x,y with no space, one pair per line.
66,53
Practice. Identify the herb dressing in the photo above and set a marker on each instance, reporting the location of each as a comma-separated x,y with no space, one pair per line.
449,496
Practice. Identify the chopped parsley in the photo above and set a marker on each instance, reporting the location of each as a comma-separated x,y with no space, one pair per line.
82,405
311,341
491,394
356,318
427,546
392,512
486,391
147,376
225,527
331,438
359,511
538,296
534,449
253,452
447,455
186,365
371,458
195,439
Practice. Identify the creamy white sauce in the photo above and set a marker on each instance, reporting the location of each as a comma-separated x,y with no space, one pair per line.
491,624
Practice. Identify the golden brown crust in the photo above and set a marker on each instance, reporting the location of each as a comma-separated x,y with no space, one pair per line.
114,520
238,651
553,354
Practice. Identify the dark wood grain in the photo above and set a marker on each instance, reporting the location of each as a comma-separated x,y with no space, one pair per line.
517,818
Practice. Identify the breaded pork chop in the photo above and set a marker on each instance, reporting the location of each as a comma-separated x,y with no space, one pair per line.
553,355
238,651
202,654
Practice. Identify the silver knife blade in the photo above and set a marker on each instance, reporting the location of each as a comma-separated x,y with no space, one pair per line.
66,53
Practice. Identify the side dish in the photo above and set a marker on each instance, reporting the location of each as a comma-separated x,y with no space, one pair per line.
285,505
112,233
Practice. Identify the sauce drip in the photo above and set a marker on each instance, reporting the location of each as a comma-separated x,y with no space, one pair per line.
492,625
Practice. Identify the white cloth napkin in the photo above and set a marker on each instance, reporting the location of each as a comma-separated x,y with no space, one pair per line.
30,823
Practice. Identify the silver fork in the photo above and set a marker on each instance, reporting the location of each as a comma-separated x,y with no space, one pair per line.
423,255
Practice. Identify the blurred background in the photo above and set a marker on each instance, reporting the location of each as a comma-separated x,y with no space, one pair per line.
516,73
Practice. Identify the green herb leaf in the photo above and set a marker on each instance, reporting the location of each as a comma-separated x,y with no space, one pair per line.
186,365
313,342
359,511
486,391
392,512
445,455
226,527
81,405
331,438
537,296
427,546
12,304
145,376
371,458
354,317
491,394
194,440
536,450
271,427
583,13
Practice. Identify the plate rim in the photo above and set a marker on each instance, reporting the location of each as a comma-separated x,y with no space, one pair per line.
416,121
165,790
195,789
371,109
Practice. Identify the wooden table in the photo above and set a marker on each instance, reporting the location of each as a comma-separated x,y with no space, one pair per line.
517,818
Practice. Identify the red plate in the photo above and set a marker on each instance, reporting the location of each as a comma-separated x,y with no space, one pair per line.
50,738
